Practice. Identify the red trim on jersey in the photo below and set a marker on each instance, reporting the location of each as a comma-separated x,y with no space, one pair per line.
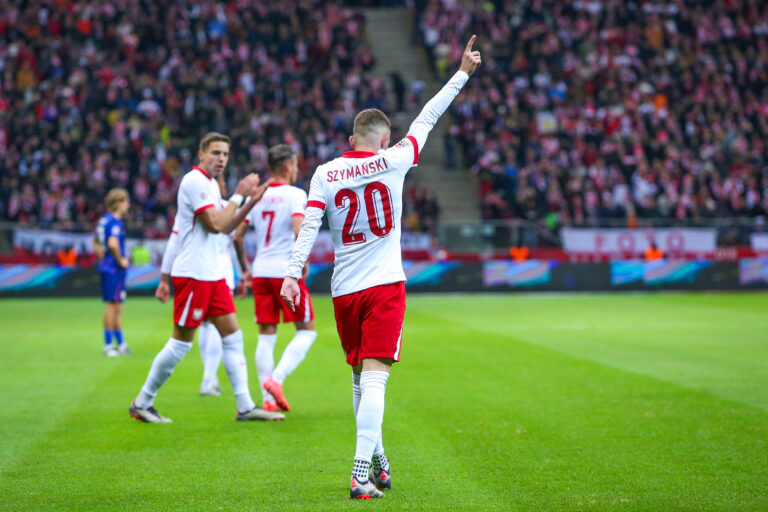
196,168
246,221
316,204
276,184
174,232
358,154
415,148
297,214
197,212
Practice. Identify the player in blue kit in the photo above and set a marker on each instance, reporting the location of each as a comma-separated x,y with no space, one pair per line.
109,244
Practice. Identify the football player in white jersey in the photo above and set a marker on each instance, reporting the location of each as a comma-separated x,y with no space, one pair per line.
231,252
361,193
200,290
277,219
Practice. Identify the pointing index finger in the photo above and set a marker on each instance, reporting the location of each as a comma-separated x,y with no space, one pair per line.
471,42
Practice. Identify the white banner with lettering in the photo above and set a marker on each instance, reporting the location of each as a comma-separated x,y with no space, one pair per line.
49,242
39,241
612,240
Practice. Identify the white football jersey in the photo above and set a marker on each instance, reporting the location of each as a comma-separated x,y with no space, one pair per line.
362,194
227,255
272,218
198,250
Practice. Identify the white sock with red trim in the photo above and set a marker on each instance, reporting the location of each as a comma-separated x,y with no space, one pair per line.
294,354
370,413
237,371
265,362
210,352
356,394
162,367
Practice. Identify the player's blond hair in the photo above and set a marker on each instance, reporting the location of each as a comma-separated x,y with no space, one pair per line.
115,197
212,137
368,121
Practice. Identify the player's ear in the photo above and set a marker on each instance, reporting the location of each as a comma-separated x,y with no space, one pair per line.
352,141
385,141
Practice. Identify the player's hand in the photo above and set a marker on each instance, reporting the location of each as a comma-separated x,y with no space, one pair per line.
163,292
247,184
242,290
471,60
290,293
258,191
305,271
243,285
124,262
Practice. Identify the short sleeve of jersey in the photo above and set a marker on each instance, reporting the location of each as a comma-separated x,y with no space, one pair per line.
197,192
298,202
404,154
113,228
316,195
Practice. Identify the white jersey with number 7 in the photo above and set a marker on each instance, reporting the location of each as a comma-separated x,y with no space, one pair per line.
362,193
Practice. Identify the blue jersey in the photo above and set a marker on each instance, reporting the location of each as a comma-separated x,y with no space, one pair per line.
110,226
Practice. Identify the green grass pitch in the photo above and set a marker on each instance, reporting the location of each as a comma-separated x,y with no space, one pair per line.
502,402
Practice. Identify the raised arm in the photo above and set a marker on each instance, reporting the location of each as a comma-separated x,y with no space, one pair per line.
435,107
229,217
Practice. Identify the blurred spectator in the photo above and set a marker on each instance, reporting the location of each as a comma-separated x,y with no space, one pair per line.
592,110
100,94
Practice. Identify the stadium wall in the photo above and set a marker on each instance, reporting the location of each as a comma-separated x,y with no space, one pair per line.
21,280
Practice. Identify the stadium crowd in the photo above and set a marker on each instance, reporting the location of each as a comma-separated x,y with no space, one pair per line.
98,94
600,109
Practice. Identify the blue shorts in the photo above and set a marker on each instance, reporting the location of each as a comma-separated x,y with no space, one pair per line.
113,286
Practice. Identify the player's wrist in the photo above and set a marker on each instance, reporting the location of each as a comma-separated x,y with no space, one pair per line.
237,199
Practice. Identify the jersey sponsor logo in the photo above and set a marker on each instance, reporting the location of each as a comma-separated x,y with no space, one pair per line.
403,143
367,168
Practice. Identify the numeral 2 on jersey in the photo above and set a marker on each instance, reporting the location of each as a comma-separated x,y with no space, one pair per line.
377,213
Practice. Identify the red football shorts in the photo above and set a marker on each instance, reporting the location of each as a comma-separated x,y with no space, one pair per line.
195,301
268,304
370,322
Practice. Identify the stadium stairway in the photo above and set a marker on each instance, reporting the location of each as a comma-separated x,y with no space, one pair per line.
389,35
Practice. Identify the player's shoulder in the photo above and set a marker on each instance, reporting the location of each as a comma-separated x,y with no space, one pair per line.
297,192
405,152
195,177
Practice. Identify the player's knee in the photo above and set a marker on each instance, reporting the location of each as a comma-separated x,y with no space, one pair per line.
305,326
267,329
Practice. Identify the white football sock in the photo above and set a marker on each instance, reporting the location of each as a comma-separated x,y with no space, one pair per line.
162,367
265,362
202,338
370,413
212,354
356,393
237,371
294,354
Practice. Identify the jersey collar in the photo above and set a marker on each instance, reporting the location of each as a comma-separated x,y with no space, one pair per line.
277,184
358,154
196,168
